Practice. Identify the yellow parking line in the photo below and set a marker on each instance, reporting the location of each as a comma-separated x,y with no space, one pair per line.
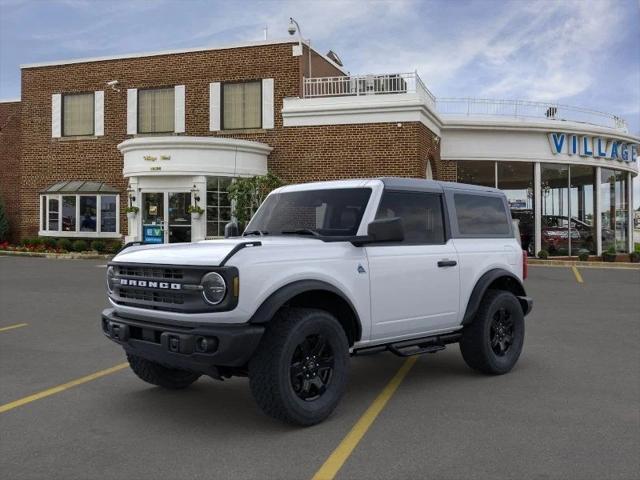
60,388
576,273
11,327
334,463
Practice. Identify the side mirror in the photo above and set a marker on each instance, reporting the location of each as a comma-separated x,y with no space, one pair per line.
382,230
386,230
231,230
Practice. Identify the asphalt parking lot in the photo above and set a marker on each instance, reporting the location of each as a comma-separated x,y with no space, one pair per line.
569,410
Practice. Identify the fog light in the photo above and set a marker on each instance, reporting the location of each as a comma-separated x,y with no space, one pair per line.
206,345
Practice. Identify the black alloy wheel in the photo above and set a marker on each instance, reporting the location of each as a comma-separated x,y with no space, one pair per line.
312,367
501,332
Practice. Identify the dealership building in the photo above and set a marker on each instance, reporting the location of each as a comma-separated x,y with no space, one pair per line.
162,131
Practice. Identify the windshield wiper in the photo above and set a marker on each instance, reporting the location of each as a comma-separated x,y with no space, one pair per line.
255,232
301,231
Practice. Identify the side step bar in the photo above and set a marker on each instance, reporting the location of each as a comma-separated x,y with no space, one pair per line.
415,346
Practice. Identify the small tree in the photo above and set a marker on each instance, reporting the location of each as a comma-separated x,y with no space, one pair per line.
4,223
246,195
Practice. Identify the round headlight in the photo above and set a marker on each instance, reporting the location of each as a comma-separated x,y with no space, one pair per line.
214,288
111,273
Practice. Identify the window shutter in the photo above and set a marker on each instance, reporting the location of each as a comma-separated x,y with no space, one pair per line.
56,115
267,103
214,106
132,111
98,110
179,100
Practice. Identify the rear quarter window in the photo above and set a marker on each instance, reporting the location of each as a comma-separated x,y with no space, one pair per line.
481,215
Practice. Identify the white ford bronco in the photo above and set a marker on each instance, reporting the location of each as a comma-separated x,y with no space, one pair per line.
326,271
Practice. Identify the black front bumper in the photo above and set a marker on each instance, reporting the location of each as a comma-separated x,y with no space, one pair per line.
181,346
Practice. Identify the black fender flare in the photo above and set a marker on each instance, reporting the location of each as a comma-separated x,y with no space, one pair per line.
280,297
482,285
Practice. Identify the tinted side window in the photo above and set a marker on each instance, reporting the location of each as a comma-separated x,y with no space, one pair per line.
481,215
421,214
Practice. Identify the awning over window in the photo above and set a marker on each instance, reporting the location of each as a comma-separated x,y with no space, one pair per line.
80,186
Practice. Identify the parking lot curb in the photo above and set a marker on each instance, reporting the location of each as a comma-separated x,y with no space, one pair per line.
60,256
573,263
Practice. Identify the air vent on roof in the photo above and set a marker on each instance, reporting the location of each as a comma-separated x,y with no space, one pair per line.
334,57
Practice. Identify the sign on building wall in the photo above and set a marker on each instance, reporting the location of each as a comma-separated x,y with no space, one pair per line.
590,146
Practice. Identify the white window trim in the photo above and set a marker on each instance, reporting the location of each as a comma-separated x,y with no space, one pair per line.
78,234
268,108
98,113
132,111
215,96
56,115
179,109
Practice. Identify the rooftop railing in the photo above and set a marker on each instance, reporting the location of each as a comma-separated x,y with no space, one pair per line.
399,83
527,110
358,85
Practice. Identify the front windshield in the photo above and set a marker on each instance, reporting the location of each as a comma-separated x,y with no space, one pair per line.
324,212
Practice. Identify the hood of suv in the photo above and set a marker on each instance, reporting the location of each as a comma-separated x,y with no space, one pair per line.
208,252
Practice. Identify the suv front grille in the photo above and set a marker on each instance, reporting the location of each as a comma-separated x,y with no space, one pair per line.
150,272
168,287
171,298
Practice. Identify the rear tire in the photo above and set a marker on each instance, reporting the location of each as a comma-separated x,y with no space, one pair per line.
299,372
156,374
493,342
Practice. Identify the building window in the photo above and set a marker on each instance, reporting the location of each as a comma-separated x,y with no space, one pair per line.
615,210
242,105
69,213
218,205
515,179
477,172
78,114
582,208
79,215
156,110
555,208
108,213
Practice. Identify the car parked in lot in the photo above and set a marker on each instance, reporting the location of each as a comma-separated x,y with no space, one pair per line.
322,272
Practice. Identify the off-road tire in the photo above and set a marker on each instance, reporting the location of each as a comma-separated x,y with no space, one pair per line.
270,368
476,346
156,374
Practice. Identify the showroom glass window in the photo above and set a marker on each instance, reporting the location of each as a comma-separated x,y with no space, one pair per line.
515,179
478,172
156,110
555,208
582,209
79,214
78,114
242,105
218,205
614,210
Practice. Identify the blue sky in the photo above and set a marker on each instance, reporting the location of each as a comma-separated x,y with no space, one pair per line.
578,52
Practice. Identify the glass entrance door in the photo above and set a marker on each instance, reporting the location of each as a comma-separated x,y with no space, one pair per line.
165,218
179,219
153,215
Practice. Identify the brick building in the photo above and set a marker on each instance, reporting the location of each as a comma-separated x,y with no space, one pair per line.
162,131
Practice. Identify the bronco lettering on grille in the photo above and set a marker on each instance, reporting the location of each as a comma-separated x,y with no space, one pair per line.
148,284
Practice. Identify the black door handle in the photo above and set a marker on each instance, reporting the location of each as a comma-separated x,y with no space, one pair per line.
447,263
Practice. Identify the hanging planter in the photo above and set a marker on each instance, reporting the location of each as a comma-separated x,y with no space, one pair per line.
195,211
132,212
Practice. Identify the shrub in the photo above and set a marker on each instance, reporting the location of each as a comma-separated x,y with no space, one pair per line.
114,247
34,242
98,245
65,244
79,246
583,255
4,223
48,242
543,254
610,254
634,257
26,241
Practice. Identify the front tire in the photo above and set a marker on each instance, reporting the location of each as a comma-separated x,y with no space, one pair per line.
156,374
493,342
300,369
